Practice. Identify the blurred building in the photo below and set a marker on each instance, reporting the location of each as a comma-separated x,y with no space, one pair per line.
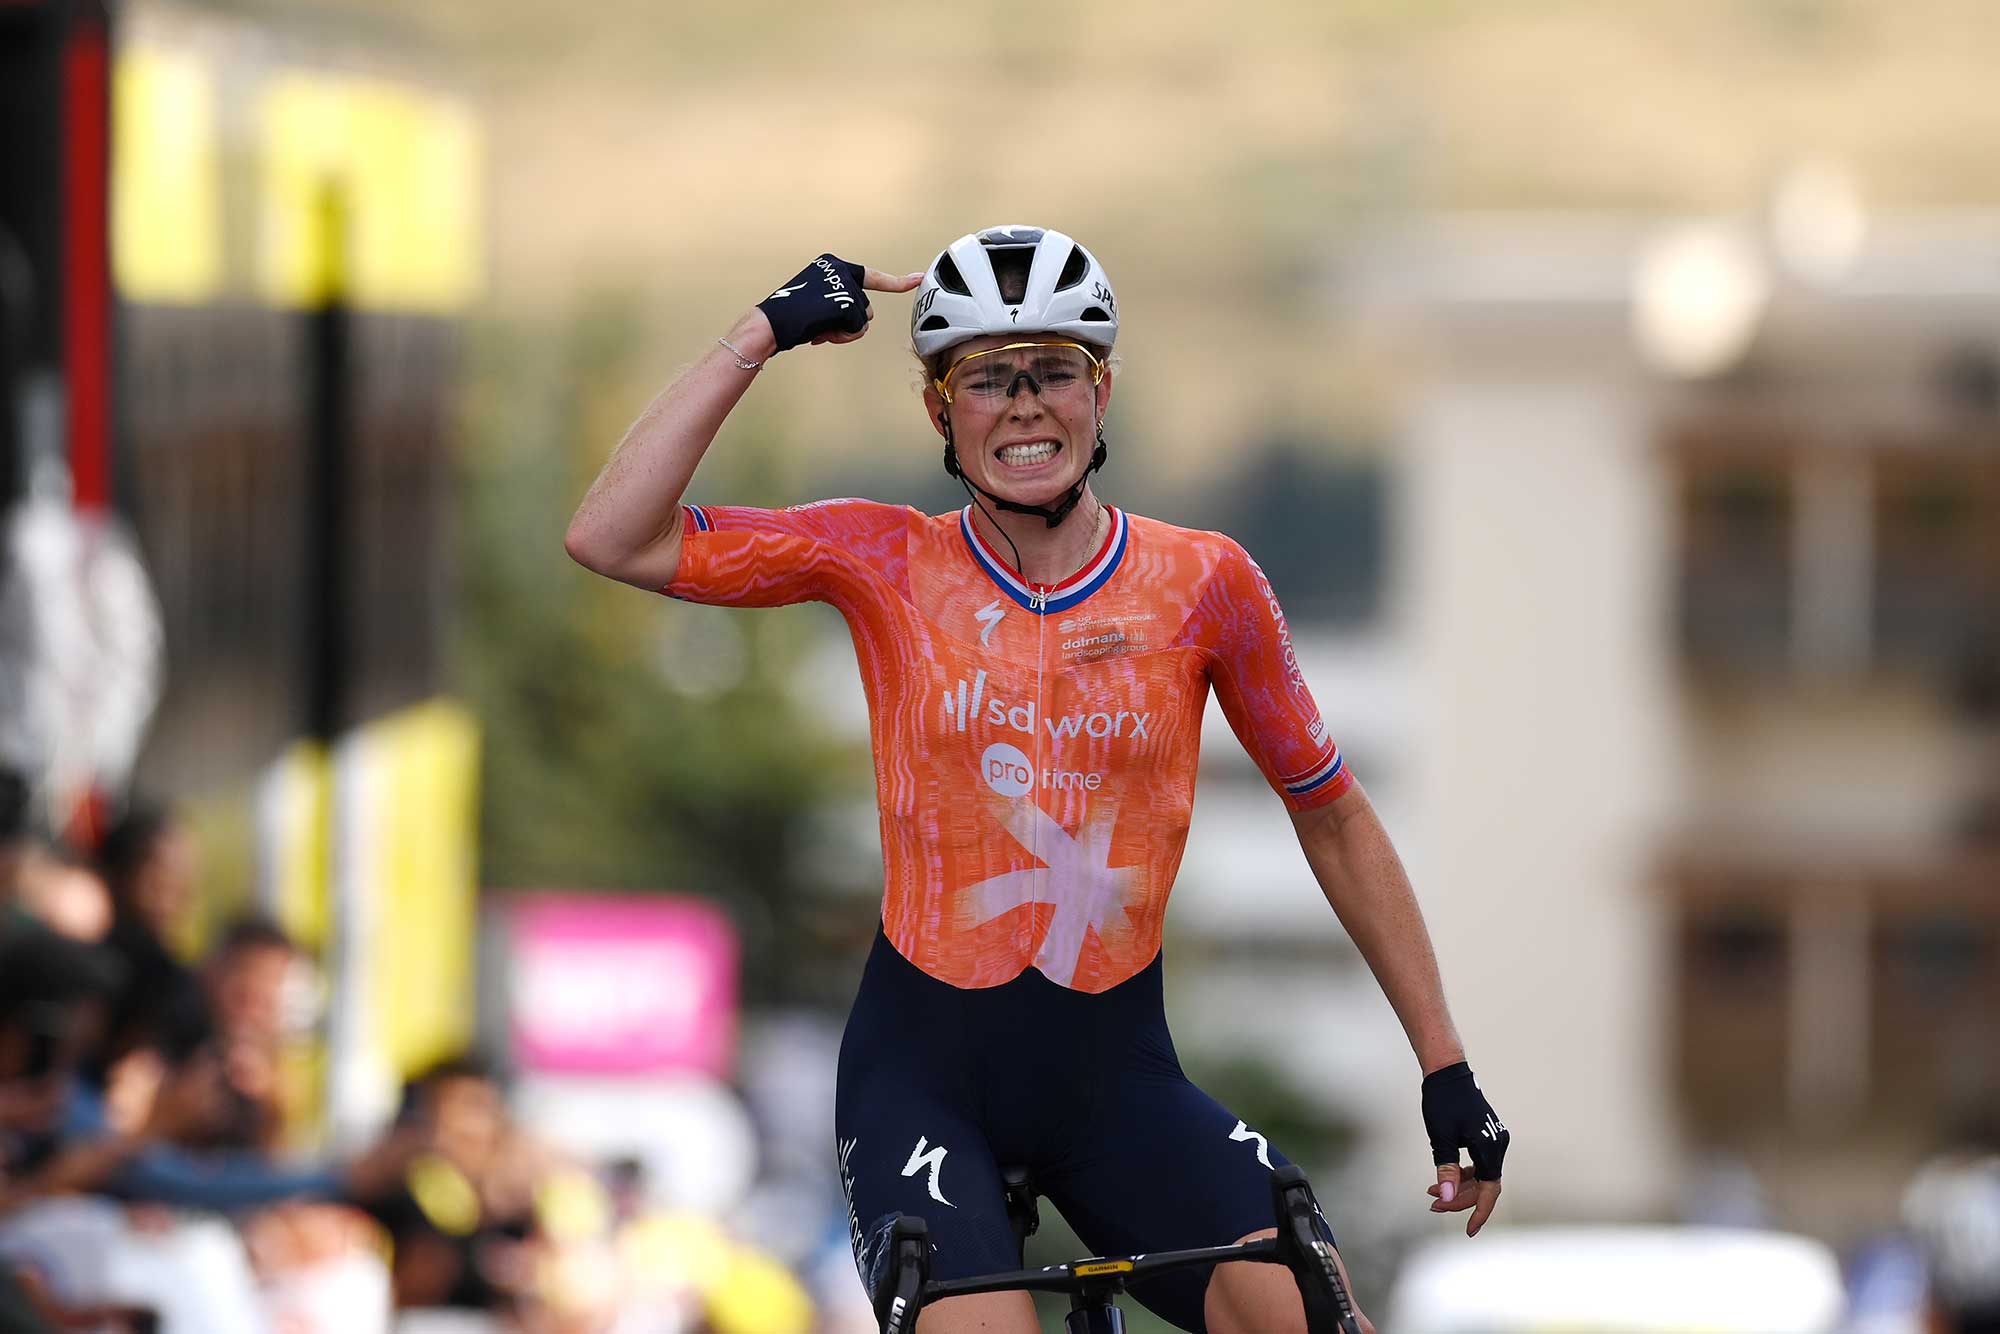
1700,609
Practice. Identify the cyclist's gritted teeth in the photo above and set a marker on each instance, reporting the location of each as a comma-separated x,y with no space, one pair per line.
1025,454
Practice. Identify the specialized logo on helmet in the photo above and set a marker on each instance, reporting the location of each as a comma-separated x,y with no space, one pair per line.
927,300
1103,294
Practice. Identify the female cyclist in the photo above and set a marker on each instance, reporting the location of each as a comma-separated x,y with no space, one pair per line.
1036,668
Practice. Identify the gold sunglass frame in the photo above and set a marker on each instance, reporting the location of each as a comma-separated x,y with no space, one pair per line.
943,382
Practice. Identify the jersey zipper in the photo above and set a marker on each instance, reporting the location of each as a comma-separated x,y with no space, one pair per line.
1039,602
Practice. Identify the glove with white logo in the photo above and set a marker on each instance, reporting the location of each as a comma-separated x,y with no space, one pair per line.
1457,1116
825,298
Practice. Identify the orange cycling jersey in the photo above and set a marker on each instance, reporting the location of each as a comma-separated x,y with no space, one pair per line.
1035,746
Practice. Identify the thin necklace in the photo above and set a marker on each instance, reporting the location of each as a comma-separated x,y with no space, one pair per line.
1090,547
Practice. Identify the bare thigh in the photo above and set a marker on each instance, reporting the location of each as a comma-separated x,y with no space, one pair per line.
984,1313
1246,1297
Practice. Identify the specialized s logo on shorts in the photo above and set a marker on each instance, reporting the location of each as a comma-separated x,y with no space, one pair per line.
1245,1135
934,1160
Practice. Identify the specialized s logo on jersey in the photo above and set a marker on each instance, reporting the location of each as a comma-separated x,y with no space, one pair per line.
988,616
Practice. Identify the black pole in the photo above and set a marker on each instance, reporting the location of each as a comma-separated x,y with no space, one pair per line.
31,148
329,431
17,299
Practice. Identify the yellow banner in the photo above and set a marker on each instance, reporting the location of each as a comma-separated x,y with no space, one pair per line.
358,188
370,191
166,179
406,872
293,804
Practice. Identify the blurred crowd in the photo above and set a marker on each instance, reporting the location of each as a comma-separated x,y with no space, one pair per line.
158,1168
155,1163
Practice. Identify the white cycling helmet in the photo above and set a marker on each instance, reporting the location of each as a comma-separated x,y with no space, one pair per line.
962,296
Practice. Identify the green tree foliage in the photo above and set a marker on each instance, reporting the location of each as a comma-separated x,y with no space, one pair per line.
631,742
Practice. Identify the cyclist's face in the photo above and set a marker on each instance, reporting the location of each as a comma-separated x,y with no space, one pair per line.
1024,418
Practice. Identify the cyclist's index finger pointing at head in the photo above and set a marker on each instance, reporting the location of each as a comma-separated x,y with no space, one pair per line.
877,281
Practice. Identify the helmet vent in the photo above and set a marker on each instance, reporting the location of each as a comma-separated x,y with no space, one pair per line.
1095,315
1073,270
1011,236
949,278
1010,272
934,322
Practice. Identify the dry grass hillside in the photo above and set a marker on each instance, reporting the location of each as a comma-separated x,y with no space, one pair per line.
691,154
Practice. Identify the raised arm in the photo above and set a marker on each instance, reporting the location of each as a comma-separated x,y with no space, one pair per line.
629,524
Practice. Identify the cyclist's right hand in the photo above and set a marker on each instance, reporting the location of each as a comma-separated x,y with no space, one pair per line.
827,302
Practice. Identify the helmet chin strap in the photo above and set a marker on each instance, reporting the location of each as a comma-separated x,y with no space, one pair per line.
1048,514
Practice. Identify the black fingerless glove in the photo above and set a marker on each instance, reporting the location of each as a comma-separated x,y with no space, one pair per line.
826,297
1457,1116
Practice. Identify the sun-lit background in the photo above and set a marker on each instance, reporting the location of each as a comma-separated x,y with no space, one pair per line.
1611,391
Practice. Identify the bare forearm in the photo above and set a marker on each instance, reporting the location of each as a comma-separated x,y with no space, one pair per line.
82,1168
628,524
1363,879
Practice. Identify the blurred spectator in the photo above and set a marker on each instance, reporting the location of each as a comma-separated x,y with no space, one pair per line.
138,1137
13,844
1953,1209
52,992
461,1219
250,981
76,1261
62,890
149,865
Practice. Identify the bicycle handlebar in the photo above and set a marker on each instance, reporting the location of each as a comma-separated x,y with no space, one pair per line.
1299,1246
1087,1277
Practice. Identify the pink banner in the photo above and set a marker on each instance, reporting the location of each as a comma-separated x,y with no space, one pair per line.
604,985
